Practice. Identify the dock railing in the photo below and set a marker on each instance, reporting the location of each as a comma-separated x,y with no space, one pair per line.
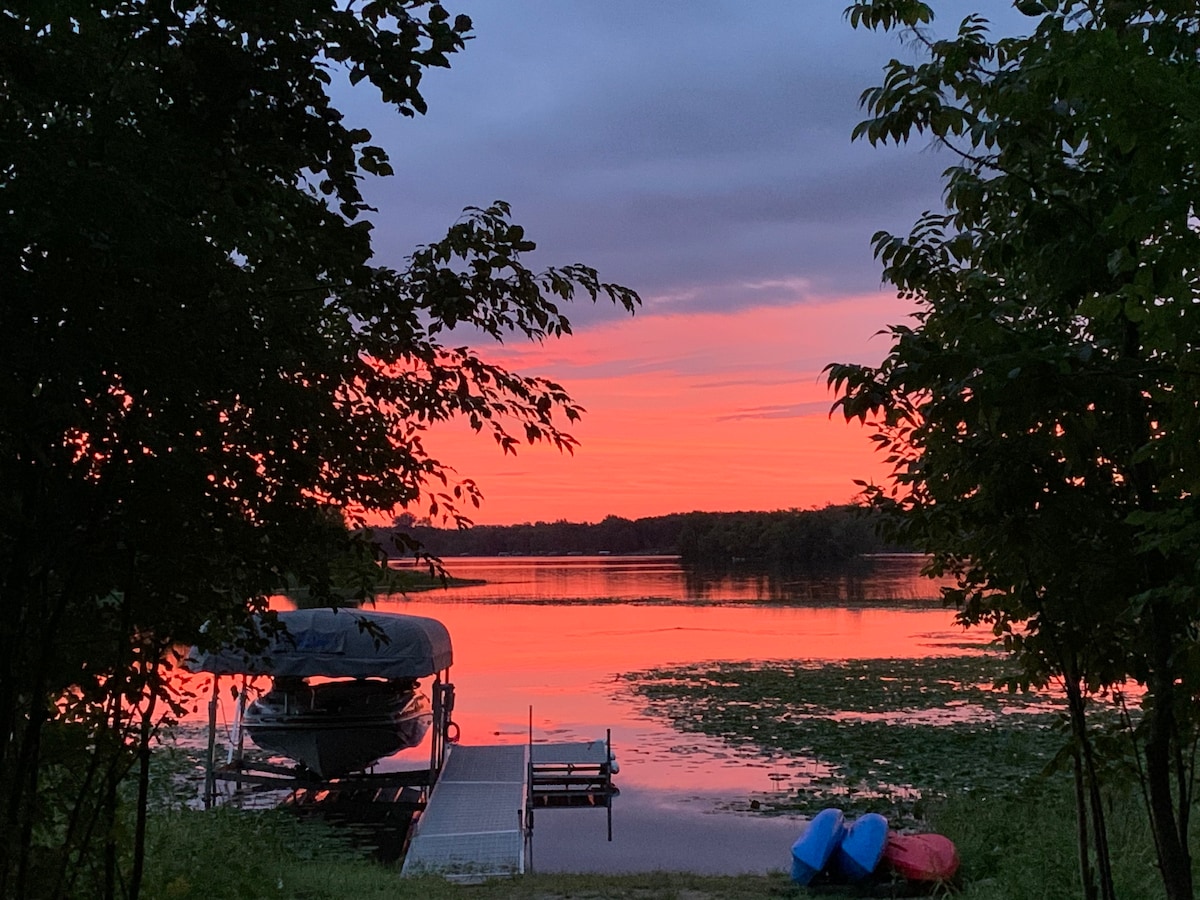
574,774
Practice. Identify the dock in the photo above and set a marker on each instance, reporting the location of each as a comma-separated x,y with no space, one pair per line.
478,821
571,774
475,823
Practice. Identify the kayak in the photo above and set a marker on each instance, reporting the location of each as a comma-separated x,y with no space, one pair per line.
921,857
814,847
858,855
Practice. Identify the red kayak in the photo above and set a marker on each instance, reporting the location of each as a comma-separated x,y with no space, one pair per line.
921,857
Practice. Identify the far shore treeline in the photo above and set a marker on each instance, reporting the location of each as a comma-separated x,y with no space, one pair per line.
814,538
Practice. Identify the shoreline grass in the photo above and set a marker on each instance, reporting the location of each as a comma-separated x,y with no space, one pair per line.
1012,848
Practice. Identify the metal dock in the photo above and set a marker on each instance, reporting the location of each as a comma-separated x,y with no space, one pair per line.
475,823
478,821
571,774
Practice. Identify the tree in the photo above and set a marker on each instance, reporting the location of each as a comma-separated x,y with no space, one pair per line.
203,370
1040,408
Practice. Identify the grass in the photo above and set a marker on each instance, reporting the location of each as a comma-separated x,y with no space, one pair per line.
411,581
1023,846
1014,847
228,855
395,581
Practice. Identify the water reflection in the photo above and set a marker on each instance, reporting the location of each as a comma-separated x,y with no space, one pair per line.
565,662
887,580
543,644
653,832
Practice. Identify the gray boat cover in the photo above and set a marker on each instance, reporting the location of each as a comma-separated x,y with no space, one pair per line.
334,643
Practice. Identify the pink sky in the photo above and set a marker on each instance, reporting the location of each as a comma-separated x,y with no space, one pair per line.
715,411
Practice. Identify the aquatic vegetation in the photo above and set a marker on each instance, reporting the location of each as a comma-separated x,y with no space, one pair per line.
882,735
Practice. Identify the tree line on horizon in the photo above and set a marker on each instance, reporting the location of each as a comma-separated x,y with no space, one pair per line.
795,538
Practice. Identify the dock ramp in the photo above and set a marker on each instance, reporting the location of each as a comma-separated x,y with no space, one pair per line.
474,826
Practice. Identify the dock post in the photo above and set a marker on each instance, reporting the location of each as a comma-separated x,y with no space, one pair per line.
527,824
435,740
443,709
608,797
238,748
210,773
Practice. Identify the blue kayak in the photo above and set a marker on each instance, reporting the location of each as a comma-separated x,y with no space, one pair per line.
814,847
861,848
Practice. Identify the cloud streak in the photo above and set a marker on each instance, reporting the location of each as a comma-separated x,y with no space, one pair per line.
777,411
683,147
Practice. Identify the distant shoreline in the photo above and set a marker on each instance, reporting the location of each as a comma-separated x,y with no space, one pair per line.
798,538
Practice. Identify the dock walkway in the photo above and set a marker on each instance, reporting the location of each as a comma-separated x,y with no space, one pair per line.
475,822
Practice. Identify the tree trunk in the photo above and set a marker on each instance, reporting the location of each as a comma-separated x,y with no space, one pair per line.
145,732
1099,826
1079,735
1086,877
25,792
1174,859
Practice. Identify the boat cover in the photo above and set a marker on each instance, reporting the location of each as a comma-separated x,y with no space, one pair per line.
335,643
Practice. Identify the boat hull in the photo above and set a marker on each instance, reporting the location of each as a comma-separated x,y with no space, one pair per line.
339,727
921,857
811,851
858,855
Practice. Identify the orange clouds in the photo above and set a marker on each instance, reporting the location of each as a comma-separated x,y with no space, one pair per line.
709,411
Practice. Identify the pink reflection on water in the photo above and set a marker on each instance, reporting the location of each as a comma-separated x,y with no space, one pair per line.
558,579
517,647
514,649
567,662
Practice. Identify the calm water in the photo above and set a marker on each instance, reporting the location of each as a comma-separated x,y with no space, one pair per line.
550,638
660,579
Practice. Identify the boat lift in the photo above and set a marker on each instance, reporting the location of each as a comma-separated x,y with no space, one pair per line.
334,643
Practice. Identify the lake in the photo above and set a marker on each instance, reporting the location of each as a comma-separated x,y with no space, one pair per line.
550,637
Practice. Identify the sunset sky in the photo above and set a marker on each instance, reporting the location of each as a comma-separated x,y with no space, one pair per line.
699,152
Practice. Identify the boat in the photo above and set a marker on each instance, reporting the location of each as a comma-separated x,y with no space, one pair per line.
337,727
344,691
814,847
861,848
921,857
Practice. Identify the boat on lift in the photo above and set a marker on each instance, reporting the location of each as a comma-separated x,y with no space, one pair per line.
337,727
344,691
